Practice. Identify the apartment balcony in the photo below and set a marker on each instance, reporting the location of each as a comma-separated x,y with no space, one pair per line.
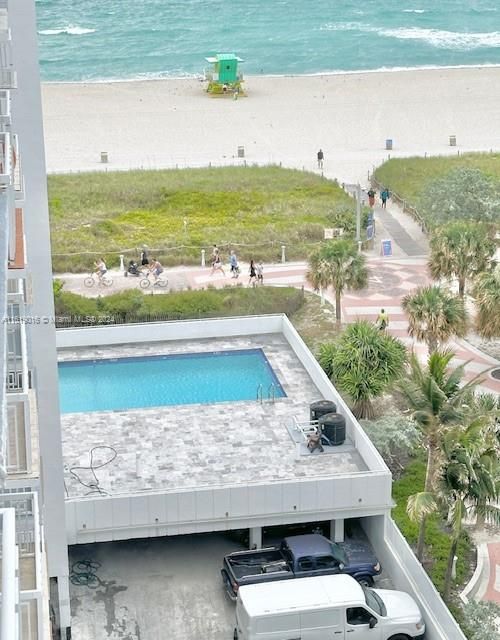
17,364
7,159
5,114
9,564
30,587
5,35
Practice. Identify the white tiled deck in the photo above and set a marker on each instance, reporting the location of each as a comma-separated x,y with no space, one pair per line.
197,445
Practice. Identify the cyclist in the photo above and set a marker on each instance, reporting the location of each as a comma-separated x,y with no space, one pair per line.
100,268
155,268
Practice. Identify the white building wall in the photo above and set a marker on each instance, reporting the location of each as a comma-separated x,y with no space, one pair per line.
27,122
4,231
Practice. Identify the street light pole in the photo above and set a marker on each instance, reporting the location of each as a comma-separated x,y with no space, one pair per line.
358,216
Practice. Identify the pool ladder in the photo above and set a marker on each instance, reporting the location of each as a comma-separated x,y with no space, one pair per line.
271,393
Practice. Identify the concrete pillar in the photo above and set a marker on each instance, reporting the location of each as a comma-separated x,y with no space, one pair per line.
255,537
337,530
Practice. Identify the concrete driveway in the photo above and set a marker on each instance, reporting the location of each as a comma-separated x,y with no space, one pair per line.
154,589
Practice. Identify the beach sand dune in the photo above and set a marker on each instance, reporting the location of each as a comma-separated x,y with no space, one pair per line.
168,123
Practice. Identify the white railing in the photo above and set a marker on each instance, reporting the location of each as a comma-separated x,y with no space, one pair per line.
9,622
5,115
17,360
6,176
18,438
8,79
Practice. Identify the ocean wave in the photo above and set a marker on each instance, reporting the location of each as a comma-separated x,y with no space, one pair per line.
69,30
413,10
445,39
438,38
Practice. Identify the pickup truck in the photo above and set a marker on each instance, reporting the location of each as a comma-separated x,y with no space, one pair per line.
299,557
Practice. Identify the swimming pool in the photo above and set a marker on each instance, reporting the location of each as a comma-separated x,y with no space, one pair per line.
152,381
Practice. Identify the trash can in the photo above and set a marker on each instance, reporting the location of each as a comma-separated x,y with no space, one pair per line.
388,144
321,408
241,152
104,157
332,425
453,141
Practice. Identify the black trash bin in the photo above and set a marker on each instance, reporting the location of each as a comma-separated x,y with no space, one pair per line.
321,408
332,426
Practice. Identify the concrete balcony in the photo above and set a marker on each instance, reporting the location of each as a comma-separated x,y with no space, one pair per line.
9,564
5,114
31,624
17,363
5,35
7,159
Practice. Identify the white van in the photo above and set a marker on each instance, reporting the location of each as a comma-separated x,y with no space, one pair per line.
333,607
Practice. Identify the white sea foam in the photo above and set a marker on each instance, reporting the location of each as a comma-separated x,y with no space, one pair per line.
439,38
413,10
69,30
445,39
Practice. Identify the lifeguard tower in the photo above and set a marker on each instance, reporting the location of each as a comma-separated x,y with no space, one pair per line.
224,78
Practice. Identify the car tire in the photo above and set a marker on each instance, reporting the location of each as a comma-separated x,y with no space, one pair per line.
399,636
366,581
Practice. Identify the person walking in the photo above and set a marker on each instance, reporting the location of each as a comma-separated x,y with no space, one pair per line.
217,264
260,272
384,196
235,270
144,256
320,156
253,274
371,198
382,320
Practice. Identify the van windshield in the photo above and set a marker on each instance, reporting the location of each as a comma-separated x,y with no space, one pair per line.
374,601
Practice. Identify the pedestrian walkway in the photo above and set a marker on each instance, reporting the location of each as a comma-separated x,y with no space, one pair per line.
408,243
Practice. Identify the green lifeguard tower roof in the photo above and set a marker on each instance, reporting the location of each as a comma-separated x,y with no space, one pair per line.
223,57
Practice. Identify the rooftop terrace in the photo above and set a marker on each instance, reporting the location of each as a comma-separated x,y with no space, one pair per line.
197,445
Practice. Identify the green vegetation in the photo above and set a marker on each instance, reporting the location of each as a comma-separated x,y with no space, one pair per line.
176,213
461,250
487,294
363,363
434,315
437,539
134,306
463,186
337,264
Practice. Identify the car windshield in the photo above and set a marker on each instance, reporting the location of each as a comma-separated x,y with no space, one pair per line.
374,601
339,554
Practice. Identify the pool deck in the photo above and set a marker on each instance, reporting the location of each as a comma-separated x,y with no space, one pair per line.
200,445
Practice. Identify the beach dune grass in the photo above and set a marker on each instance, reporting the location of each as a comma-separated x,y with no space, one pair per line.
176,213
410,177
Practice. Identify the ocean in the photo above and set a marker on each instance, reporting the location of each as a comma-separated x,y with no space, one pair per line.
98,40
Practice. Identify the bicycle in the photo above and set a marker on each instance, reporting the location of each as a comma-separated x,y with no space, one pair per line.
102,281
159,282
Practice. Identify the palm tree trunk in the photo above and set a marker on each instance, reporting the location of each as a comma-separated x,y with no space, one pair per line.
429,473
338,312
449,568
461,286
432,343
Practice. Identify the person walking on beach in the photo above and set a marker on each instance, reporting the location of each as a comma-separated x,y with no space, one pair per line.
384,196
253,274
320,156
371,198
235,270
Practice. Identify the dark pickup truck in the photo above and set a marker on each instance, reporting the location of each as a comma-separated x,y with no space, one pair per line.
299,557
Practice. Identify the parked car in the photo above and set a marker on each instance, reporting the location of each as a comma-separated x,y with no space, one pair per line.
325,607
299,557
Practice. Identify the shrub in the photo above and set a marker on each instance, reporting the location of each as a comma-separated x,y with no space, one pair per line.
395,436
483,620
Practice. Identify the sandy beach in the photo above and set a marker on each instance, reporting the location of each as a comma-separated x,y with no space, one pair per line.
168,123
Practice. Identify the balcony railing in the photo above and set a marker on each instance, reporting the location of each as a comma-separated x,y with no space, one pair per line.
6,159
5,117
17,364
18,438
9,619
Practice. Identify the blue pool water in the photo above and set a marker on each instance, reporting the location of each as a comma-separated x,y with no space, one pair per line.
131,383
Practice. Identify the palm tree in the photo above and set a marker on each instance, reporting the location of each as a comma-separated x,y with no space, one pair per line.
434,315
337,263
363,362
487,294
470,480
437,400
461,250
